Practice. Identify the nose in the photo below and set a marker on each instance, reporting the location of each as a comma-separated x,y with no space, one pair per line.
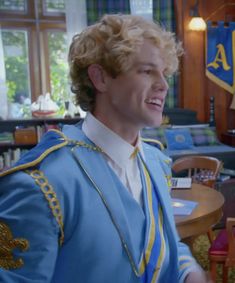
160,84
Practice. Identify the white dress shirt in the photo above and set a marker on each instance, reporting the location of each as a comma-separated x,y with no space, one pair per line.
118,153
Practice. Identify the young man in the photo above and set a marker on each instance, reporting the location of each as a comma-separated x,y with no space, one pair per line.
92,204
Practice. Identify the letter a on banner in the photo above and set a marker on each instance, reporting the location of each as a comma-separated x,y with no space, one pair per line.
220,55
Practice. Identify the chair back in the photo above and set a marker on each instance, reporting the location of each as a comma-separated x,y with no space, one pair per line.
222,251
230,227
202,169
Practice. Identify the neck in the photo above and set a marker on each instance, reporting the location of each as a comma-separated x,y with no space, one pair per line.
122,128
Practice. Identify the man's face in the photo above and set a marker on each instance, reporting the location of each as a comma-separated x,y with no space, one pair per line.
136,99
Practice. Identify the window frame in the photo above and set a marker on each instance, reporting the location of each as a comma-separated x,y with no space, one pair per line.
36,26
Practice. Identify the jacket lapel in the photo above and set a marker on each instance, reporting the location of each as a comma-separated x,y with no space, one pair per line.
95,167
159,180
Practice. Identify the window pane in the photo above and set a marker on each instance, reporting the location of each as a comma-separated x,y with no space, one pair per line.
55,6
15,50
143,8
58,67
13,5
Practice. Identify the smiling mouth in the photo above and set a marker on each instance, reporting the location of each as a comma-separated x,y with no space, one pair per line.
154,101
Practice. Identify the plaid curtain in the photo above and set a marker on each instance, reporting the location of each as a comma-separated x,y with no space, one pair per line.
97,8
163,12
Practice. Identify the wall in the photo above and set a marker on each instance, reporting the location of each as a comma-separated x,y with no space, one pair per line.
195,87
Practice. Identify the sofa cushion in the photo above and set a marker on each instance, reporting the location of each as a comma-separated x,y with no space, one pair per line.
178,139
154,133
204,136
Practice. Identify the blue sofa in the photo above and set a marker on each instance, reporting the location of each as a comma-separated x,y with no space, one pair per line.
179,141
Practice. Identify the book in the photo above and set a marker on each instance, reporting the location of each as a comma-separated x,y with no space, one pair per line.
6,137
183,207
181,183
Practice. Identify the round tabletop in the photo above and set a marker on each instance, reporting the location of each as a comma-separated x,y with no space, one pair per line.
207,213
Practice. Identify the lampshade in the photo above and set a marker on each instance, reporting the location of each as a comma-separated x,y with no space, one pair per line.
197,23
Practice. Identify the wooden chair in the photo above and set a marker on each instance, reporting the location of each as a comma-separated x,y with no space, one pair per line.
222,250
202,169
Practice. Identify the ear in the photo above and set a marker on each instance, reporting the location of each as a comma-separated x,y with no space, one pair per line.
97,75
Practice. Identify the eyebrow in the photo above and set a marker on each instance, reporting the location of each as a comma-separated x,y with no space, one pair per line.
146,64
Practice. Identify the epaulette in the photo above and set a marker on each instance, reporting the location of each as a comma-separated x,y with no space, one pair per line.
153,142
50,142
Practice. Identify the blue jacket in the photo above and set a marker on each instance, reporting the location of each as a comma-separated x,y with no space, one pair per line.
65,217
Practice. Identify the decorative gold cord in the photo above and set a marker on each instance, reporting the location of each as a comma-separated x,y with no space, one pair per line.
85,145
51,197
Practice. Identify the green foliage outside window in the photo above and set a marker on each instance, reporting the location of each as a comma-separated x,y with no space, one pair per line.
58,68
16,66
58,6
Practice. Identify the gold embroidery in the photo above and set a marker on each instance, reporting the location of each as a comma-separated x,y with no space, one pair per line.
134,153
169,181
168,161
51,197
153,141
74,142
83,144
7,245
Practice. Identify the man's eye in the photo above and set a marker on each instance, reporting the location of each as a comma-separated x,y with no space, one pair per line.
148,72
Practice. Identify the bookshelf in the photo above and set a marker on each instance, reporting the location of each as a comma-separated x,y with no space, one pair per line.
18,136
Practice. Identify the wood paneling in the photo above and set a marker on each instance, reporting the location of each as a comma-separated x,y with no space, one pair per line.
195,87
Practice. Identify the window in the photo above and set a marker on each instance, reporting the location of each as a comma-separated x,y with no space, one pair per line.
34,46
142,8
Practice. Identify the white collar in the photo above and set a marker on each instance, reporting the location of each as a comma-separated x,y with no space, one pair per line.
113,145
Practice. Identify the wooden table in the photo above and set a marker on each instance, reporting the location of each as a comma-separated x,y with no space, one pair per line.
207,213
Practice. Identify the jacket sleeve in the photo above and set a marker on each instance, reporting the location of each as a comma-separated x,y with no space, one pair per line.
29,232
187,263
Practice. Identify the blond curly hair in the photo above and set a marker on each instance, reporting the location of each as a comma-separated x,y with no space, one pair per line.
112,43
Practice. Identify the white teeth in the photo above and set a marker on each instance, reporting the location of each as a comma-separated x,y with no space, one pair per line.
154,101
